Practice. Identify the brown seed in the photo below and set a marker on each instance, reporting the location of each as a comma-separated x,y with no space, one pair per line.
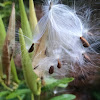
87,57
31,48
85,42
59,64
51,70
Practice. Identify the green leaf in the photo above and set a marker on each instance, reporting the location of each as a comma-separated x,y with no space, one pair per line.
17,93
4,93
52,85
64,97
30,76
52,80
96,94
25,24
63,85
1,5
7,3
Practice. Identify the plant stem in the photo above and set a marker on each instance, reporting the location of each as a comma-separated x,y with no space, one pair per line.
32,97
4,85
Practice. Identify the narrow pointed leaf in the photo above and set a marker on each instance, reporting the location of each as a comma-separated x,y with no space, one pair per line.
30,76
4,93
17,93
56,83
32,15
64,97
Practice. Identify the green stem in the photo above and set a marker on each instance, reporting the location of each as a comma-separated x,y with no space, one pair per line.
32,96
19,97
4,85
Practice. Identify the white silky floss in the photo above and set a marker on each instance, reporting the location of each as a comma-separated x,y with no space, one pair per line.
64,29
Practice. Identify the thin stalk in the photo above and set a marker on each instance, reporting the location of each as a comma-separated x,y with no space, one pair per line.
32,97
4,85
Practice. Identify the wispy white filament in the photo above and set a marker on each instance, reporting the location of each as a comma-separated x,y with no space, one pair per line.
64,29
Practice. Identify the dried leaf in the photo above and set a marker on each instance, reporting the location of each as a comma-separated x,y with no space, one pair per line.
39,51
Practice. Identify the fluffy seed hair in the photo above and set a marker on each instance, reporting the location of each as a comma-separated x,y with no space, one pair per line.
66,40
